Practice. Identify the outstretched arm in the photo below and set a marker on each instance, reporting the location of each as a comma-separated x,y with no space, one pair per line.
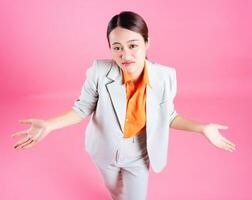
210,131
41,128
83,107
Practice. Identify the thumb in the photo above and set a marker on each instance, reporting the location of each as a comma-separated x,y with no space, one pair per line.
222,127
25,121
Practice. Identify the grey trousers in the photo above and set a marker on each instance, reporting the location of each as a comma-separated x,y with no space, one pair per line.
126,177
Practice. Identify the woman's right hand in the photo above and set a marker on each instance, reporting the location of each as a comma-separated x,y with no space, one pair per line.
38,130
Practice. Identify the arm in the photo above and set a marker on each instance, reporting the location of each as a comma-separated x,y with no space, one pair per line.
68,118
41,128
182,123
82,108
210,131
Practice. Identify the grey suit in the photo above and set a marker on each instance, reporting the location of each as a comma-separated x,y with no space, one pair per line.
103,94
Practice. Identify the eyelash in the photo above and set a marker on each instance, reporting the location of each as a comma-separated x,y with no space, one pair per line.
117,48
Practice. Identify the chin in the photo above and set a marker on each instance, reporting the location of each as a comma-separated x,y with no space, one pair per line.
130,69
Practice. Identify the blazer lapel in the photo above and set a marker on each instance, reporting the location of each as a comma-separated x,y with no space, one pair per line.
154,93
117,93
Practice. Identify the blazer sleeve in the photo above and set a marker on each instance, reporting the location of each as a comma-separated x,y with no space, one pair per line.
172,110
86,103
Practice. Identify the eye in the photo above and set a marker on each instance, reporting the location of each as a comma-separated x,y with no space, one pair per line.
133,46
116,48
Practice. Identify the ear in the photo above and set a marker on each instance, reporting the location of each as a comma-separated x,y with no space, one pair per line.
147,43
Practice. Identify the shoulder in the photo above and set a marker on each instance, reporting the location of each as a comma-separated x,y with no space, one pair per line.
162,70
100,66
103,64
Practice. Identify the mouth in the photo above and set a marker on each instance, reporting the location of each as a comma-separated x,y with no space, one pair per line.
128,62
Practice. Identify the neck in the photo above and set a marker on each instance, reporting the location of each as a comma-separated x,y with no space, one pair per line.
135,76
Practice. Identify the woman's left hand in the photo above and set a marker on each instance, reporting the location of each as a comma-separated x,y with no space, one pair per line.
213,135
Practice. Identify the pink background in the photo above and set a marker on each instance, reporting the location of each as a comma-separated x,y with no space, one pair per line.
45,49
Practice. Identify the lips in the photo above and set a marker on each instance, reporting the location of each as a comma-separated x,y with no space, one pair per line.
127,62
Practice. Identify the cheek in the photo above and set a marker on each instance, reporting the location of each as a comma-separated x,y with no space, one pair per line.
139,52
114,56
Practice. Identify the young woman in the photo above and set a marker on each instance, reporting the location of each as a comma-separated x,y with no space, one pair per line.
131,102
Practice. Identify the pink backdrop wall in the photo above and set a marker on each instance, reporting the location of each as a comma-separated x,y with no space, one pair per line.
45,49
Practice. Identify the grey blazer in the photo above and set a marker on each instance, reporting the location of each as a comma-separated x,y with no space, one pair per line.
104,96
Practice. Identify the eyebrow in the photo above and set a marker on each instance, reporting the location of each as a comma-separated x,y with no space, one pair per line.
127,41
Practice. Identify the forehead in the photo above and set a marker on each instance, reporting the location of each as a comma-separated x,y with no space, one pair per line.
123,35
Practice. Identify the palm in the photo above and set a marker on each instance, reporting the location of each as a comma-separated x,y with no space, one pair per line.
37,127
213,135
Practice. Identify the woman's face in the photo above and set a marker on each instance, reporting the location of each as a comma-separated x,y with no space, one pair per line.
128,50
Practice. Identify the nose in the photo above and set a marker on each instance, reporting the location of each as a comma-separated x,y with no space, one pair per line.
125,54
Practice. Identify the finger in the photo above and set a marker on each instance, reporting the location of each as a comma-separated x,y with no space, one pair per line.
18,134
25,121
27,143
228,142
222,126
30,144
21,142
228,146
24,143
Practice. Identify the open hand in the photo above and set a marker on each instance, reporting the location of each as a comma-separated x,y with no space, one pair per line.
213,135
38,130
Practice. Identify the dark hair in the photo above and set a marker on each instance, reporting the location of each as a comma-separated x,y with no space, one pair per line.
128,20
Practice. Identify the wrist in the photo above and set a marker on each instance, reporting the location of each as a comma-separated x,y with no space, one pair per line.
202,128
49,125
